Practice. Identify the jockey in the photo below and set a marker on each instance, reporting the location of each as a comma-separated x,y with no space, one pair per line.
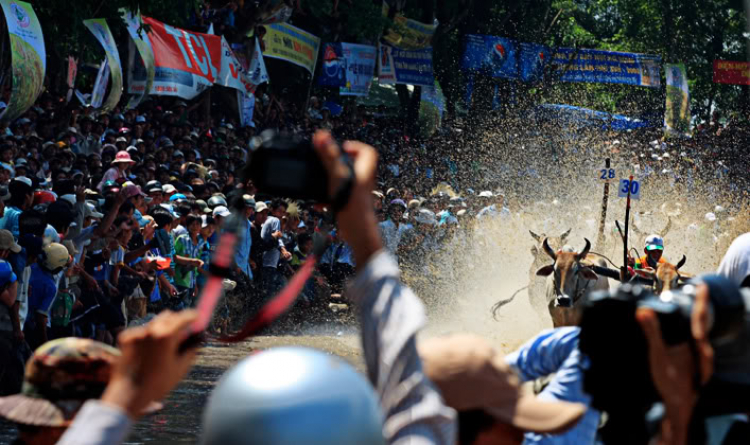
653,250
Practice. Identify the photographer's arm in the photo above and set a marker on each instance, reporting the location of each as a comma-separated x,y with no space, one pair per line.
544,354
390,313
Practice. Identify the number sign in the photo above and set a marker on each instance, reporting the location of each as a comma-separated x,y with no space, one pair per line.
634,187
607,174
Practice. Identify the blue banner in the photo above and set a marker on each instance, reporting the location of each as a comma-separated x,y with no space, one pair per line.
360,67
490,55
505,58
333,67
405,66
590,65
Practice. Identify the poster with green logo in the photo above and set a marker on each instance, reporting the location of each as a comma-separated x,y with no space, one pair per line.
28,57
103,35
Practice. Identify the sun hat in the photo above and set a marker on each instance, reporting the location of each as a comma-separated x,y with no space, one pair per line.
123,157
471,375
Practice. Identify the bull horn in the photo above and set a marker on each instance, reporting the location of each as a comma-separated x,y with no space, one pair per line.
535,236
585,250
565,235
548,250
681,263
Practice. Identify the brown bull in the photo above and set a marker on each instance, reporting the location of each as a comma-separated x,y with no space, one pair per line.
666,276
569,279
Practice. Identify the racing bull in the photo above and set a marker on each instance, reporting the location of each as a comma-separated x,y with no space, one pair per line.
569,279
666,276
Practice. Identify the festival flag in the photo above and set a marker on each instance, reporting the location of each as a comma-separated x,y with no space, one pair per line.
103,35
677,112
141,65
28,57
186,63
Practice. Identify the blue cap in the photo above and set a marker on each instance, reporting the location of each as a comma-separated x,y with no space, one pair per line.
177,196
6,274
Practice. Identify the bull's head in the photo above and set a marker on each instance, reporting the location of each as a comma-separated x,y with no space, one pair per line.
666,276
556,241
570,269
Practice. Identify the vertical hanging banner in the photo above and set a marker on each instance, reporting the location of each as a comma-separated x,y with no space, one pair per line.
186,63
257,69
677,113
360,68
141,66
333,67
71,78
285,42
28,57
234,75
103,35
100,85
405,67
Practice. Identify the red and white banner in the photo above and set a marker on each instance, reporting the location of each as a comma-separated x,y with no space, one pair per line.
187,63
234,74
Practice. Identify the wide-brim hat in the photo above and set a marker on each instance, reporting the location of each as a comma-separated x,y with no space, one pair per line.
471,375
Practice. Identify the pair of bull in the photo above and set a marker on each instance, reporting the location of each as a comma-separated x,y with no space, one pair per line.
559,288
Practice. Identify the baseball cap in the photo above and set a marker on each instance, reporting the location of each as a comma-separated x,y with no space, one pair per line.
56,256
168,188
153,186
25,180
90,212
177,197
471,375
6,273
260,206
221,211
654,242
132,190
485,194
7,242
249,201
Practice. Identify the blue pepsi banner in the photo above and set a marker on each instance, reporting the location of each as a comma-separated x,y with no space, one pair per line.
505,58
412,67
333,67
491,56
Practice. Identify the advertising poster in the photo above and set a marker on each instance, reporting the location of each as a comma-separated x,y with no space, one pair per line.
103,35
733,73
405,67
141,69
285,42
28,57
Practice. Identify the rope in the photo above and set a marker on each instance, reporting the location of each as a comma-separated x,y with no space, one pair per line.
610,261
502,303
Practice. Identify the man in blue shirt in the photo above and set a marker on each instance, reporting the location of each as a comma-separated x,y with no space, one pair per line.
556,352
42,291
272,279
242,252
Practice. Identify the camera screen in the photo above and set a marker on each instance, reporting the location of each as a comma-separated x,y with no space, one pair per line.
285,173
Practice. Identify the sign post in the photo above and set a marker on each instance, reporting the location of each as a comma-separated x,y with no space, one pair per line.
604,175
629,189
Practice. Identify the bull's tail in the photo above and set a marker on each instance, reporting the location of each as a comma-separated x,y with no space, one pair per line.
502,303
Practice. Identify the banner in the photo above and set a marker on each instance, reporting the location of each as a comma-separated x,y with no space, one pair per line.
348,66
285,42
28,57
70,80
491,56
246,105
101,31
257,70
141,66
590,65
406,67
504,58
360,68
409,34
233,73
333,67
186,63
100,85
677,112
733,73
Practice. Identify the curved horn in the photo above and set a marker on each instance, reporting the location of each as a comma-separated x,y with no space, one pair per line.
535,236
585,250
548,250
565,235
681,263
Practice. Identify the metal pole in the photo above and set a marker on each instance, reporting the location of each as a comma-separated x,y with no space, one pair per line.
624,270
605,199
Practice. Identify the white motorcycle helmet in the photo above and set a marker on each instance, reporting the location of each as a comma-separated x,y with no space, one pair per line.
293,395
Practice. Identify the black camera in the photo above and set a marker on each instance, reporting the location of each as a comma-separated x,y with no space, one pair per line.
286,165
617,373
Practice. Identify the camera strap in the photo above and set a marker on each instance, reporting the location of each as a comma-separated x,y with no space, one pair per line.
344,191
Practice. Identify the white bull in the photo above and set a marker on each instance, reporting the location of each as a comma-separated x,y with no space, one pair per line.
569,279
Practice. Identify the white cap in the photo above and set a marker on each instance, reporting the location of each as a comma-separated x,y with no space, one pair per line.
221,211
710,216
25,180
168,188
485,194
70,198
260,206
654,242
